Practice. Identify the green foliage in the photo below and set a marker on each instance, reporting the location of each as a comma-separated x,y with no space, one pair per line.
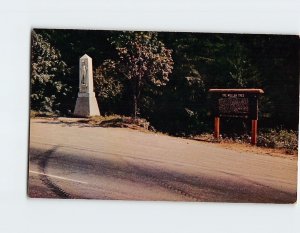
182,108
243,73
106,81
142,59
286,139
47,73
109,87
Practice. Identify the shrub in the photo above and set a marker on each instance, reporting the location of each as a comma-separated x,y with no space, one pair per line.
48,72
120,121
284,139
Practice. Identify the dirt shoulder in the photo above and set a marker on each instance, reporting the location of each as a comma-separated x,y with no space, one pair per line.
243,147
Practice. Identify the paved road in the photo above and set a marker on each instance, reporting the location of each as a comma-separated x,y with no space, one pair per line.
70,160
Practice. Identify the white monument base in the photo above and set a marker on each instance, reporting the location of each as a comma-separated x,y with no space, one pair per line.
86,105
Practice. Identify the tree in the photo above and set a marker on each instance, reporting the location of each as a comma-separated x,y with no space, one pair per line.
182,108
109,87
141,59
47,72
180,103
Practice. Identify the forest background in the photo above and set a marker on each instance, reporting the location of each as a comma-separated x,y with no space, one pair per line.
174,71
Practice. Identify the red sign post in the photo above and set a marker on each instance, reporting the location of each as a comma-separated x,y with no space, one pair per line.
236,103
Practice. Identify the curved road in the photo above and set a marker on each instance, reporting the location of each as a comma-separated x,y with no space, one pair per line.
72,160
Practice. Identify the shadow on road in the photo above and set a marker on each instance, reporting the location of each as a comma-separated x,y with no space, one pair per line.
190,188
42,159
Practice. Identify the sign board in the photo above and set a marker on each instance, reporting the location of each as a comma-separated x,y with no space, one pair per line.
235,102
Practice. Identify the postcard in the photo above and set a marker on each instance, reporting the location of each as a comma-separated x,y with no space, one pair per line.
163,116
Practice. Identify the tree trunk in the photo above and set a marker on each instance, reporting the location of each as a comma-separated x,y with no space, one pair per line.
136,96
135,105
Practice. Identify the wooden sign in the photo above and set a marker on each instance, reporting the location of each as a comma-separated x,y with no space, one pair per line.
236,103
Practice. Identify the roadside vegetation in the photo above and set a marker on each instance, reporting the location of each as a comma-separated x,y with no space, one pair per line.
284,140
120,122
280,138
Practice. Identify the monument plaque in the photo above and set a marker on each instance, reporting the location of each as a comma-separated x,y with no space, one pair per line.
236,103
86,103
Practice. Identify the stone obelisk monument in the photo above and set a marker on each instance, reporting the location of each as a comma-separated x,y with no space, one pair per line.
86,103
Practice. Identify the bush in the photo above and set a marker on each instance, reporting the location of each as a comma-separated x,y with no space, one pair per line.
48,73
120,122
284,139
